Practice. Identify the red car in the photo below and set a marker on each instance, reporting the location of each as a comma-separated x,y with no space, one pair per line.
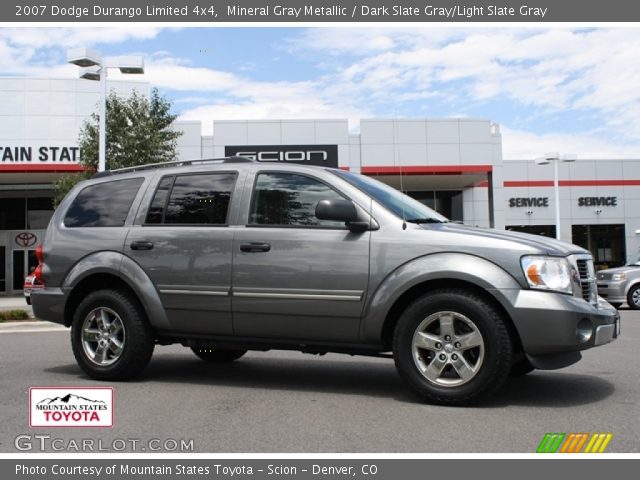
31,283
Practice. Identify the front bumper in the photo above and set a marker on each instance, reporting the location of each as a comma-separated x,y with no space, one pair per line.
613,292
555,324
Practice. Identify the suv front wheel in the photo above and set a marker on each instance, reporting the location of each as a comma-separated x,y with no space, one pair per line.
110,336
452,347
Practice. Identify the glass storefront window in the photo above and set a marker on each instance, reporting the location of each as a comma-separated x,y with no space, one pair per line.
445,202
25,213
12,213
605,242
39,211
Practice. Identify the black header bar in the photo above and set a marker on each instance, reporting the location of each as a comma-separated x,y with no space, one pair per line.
323,11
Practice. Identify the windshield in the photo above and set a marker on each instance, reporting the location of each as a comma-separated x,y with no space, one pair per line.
635,260
392,199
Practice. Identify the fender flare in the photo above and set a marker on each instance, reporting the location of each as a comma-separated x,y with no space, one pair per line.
123,267
439,266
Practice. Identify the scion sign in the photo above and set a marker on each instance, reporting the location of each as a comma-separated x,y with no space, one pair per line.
319,155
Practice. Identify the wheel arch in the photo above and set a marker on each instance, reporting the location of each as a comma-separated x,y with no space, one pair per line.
117,271
433,272
421,289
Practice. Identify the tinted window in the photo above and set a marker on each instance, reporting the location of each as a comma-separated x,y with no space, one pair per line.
289,199
103,204
156,209
199,199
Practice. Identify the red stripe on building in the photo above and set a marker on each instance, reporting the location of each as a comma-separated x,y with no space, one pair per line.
48,168
573,183
525,183
427,170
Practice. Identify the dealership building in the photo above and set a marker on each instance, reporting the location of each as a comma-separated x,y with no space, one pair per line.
453,165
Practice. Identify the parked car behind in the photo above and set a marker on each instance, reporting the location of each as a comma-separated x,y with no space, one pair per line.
622,284
31,283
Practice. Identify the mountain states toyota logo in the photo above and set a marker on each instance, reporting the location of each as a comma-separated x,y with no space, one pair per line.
70,407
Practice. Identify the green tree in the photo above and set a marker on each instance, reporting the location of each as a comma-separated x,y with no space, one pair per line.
138,132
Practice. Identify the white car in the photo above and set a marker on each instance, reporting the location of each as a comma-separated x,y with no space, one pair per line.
622,284
31,283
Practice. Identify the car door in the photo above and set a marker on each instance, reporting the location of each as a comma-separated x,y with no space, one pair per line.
184,245
295,276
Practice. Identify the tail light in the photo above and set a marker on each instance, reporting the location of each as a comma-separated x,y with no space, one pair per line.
38,271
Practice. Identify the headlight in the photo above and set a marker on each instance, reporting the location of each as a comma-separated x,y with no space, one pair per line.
548,273
619,277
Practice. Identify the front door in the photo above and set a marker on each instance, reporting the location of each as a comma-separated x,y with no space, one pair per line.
185,245
295,276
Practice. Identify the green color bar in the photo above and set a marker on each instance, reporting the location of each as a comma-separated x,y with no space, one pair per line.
550,443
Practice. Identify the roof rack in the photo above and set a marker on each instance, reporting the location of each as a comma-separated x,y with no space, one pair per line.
177,163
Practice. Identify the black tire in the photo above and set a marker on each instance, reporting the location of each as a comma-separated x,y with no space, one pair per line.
521,368
493,359
633,297
137,344
28,300
218,355
616,305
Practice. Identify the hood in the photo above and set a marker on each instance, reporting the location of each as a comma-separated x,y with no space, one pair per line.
626,268
546,245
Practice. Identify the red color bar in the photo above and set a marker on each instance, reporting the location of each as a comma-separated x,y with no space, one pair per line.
427,170
52,168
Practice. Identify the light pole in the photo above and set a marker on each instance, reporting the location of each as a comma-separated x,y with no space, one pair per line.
555,158
93,67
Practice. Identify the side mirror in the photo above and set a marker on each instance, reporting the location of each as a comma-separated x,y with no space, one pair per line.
337,210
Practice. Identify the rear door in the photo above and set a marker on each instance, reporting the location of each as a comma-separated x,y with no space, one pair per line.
295,276
184,245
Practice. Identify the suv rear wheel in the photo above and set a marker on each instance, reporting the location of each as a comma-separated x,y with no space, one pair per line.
218,355
110,336
452,347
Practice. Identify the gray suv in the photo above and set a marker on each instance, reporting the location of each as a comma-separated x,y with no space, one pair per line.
225,256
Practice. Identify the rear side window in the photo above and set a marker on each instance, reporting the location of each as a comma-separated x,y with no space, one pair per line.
201,199
103,204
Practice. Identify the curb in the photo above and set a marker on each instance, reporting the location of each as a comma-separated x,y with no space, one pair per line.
30,326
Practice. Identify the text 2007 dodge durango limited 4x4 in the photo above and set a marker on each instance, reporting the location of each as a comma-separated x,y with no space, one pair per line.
229,255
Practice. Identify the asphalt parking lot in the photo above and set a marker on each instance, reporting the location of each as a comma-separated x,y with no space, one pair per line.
290,402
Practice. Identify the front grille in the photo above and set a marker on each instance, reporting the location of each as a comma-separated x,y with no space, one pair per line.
587,279
604,276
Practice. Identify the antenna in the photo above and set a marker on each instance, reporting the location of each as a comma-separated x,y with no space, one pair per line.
396,160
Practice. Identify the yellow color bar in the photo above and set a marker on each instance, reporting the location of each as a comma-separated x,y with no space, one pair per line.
598,443
607,439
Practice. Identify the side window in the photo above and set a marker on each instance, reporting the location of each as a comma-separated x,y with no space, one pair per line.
103,204
156,209
289,199
201,199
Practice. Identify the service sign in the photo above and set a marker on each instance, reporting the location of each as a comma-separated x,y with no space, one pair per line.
70,407
318,155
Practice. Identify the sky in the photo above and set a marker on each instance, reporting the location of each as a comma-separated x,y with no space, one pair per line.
567,90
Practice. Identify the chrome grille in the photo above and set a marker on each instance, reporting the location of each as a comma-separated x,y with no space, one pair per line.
586,272
604,276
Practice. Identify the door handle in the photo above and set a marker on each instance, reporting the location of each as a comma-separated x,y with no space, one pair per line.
141,245
255,247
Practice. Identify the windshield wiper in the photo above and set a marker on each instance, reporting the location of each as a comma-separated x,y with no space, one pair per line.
424,220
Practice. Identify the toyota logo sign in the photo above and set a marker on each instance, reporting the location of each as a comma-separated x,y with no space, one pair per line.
26,239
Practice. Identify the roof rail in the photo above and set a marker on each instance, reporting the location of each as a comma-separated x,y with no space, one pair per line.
177,163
